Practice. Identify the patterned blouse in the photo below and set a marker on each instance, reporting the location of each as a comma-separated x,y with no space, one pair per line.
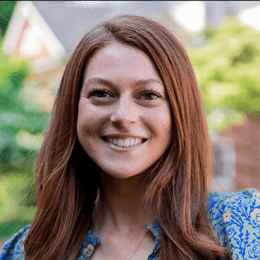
235,217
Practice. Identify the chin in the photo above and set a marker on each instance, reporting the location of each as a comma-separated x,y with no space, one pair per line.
120,173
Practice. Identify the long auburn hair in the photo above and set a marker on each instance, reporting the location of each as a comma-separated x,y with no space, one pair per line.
66,179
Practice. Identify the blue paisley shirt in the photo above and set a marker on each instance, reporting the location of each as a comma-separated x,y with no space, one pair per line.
235,217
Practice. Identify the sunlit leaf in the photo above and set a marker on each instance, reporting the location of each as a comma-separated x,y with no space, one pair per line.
227,70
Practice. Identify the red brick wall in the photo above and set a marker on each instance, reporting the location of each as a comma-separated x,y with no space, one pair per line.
247,145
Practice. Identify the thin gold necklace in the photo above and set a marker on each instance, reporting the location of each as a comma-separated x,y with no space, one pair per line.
96,202
138,246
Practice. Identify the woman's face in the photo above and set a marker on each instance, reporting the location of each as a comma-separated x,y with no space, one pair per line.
124,118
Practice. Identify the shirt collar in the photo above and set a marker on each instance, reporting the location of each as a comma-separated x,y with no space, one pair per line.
91,240
156,229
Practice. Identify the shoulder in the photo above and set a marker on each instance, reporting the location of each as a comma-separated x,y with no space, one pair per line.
235,217
13,248
219,201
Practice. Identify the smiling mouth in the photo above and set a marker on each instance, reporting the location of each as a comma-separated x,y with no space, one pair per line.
124,142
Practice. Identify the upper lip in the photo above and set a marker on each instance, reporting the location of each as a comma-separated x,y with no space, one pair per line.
122,136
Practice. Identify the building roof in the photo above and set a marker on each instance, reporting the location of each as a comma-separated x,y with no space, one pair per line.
63,23
69,21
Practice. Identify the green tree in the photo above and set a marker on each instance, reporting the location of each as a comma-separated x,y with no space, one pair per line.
22,120
227,70
6,11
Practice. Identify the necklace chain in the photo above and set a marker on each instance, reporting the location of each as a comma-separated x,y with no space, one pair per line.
138,246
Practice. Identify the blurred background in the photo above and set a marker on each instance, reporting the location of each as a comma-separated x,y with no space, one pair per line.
36,38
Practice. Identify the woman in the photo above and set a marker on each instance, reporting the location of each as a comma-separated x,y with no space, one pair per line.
125,164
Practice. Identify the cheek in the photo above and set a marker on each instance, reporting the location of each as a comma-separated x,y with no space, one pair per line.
161,124
165,133
89,118
87,124
167,122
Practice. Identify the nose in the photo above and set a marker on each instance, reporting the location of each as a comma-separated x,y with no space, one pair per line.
124,112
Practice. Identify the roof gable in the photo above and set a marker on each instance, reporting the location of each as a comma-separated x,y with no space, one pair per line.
70,21
29,36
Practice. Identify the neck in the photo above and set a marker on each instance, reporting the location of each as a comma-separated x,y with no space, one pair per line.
121,204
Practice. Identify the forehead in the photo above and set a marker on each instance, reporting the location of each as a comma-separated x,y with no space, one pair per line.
121,59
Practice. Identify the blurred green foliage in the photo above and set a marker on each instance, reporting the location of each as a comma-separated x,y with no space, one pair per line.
17,209
22,120
227,70
6,11
22,123
14,202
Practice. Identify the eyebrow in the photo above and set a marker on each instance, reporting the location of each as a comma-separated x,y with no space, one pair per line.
111,84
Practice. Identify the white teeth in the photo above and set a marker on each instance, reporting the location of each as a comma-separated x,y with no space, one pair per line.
120,142
114,141
132,142
137,141
124,142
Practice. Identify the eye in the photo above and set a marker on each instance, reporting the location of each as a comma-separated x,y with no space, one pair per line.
99,93
150,95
